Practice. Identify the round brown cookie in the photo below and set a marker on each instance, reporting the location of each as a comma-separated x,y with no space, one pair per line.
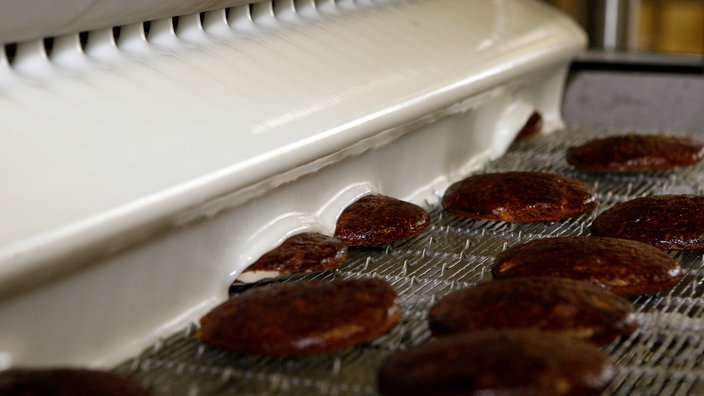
66,382
624,267
376,219
532,127
672,222
635,153
520,197
305,252
561,306
302,318
497,362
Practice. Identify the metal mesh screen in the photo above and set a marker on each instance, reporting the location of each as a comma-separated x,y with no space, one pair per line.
665,355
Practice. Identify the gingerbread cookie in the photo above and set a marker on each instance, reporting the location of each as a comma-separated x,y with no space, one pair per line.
521,197
377,219
302,318
624,267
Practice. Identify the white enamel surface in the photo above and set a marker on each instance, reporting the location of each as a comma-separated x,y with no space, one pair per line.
22,20
143,175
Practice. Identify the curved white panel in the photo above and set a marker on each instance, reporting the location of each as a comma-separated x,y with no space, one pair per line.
146,166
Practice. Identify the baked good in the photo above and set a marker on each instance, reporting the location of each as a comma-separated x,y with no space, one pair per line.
672,222
376,219
66,382
305,252
521,197
634,152
532,127
302,318
497,362
558,305
624,267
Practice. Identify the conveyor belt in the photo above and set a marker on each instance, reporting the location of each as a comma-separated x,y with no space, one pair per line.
665,355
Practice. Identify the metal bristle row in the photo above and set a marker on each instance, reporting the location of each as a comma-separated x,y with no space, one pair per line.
665,355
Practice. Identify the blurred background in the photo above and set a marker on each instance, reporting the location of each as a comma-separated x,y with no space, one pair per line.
671,26
644,69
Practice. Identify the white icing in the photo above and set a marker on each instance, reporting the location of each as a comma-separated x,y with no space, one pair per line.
256,276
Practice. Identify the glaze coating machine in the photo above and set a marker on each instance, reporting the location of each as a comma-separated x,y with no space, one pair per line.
154,150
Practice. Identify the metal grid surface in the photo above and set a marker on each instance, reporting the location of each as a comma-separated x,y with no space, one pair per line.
664,356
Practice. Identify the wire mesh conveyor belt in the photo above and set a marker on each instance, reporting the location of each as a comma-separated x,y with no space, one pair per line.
664,356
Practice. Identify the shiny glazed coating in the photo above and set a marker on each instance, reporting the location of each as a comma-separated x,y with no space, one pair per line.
532,127
302,318
635,153
303,252
497,362
376,219
66,382
558,305
671,222
624,267
520,197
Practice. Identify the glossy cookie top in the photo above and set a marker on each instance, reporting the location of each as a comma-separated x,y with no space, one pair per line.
376,219
635,153
305,252
497,362
532,127
302,318
672,222
558,305
521,197
622,266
